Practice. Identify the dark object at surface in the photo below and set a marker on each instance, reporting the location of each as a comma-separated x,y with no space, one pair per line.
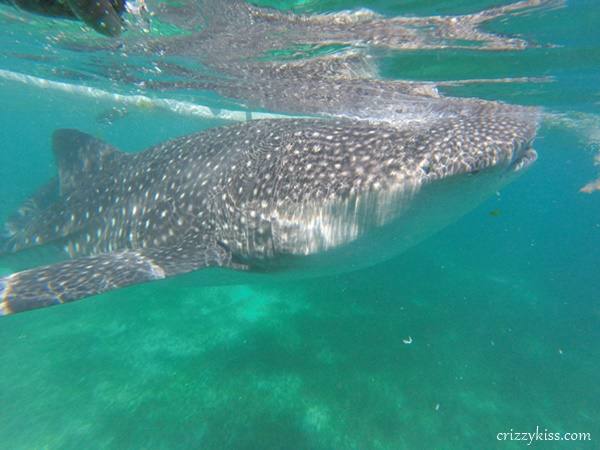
104,16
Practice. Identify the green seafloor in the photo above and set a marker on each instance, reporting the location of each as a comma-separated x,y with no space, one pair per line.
491,325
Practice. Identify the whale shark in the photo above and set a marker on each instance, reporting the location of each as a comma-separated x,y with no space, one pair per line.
271,197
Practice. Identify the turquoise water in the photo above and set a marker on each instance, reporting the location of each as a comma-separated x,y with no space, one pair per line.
502,307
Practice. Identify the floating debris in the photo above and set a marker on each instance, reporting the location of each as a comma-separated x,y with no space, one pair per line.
592,186
109,116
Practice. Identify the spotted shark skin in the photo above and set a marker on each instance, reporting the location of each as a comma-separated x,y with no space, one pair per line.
260,196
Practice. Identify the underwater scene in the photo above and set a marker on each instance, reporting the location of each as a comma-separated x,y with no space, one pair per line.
300,224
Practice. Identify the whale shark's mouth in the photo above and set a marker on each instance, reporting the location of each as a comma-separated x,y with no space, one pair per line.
523,159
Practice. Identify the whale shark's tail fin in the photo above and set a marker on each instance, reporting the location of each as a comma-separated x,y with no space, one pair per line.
81,159
28,212
82,277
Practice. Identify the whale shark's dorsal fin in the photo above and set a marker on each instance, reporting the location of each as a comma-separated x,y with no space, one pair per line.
80,156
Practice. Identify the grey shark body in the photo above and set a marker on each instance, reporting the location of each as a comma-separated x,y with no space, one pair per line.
295,196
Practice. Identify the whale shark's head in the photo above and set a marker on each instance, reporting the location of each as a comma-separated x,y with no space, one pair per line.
467,145
354,188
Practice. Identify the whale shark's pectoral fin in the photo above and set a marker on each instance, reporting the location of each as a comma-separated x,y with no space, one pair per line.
82,277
